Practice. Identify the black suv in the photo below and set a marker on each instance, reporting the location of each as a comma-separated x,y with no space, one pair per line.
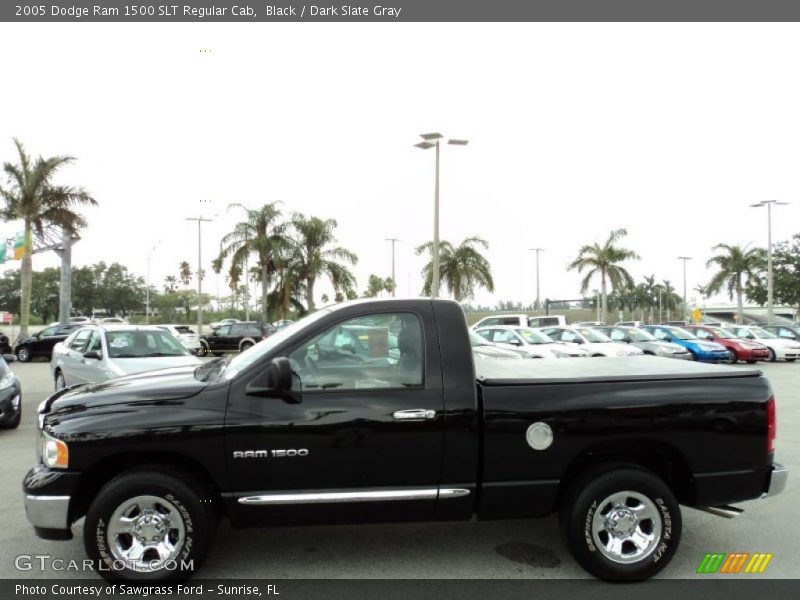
41,344
235,337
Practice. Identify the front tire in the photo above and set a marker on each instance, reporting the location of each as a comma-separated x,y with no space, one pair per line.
733,358
621,523
202,350
149,525
772,356
23,355
245,346
61,383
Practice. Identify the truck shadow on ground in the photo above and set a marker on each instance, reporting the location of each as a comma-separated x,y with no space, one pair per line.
477,549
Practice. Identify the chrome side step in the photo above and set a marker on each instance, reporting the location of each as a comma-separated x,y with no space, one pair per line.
724,511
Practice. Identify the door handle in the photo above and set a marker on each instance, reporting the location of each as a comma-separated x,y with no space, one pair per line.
415,414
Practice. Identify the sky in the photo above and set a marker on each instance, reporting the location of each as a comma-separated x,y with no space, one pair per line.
668,130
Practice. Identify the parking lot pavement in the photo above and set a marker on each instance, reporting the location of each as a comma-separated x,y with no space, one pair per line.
509,549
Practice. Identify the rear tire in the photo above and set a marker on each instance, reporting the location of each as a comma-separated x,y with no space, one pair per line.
621,523
202,350
153,514
245,346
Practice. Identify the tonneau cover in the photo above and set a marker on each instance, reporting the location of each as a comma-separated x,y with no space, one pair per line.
575,370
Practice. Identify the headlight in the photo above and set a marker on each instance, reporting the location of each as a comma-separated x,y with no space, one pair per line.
7,380
55,453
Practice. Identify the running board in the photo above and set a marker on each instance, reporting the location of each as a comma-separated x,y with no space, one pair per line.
725,511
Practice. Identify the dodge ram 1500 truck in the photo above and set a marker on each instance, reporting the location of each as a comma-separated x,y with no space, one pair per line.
311,426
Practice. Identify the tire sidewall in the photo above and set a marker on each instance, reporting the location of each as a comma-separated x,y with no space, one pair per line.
577,523
180,495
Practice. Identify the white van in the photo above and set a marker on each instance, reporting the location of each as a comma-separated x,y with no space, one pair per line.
521,321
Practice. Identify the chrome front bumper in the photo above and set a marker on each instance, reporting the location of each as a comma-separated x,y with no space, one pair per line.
777,480
47,512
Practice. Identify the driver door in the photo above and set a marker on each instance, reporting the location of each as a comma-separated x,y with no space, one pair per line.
345,446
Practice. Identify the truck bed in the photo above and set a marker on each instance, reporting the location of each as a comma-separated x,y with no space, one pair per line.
577,370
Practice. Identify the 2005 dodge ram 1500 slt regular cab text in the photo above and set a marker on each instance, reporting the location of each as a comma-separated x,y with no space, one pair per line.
319,425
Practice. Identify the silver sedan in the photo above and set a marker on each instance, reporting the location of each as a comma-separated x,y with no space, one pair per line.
97,353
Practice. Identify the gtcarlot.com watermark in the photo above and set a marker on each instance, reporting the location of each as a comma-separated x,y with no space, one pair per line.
45,562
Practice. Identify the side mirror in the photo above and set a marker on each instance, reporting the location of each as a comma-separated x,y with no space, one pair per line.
276,381
93,354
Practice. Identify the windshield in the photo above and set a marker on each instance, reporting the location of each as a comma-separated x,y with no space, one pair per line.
721,333
248,357
680,334
639,335
593,335
532,336
476,340
143,344
762,333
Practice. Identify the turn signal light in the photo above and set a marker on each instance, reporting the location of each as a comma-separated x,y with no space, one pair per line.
55,453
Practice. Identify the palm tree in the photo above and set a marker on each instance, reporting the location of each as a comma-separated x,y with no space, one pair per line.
604,261
669,299
185,273
316,258
262,234
170,283
461,268
737,267
33,198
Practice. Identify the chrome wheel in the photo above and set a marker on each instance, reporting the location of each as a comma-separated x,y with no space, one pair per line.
626,527
146,532
23,354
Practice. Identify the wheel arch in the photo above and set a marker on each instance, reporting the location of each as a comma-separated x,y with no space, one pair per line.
96,476
660,458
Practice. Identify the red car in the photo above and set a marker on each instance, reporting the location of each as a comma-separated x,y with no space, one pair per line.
740,348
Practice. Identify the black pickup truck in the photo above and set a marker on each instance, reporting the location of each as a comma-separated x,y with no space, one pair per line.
294,431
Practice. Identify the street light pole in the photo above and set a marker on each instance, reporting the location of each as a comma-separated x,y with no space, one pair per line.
770,289
147,285
394,281
685,305
537,250
431,140
200,221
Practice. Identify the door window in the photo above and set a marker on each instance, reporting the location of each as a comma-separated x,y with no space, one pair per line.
223,330
49,332
80,340
94,343
703,335
362,353
617,335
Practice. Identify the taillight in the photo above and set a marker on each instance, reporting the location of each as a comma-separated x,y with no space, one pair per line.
771,425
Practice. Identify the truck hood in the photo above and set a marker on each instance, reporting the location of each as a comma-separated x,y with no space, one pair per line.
145,388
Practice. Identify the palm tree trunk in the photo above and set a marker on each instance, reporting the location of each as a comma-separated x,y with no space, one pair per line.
310,294
264,291
604,297
26,280
739,308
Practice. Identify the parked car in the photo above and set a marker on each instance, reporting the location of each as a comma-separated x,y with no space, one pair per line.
675,323
40,345
547,321
236,337
520,320
187,336
111,321
484,349
629,324
5,345
592,341
75,321
224,322
701,350
531,341
10,397
784,331
645,341
749,351
358,343
100,352
276,436
588,324
779,348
